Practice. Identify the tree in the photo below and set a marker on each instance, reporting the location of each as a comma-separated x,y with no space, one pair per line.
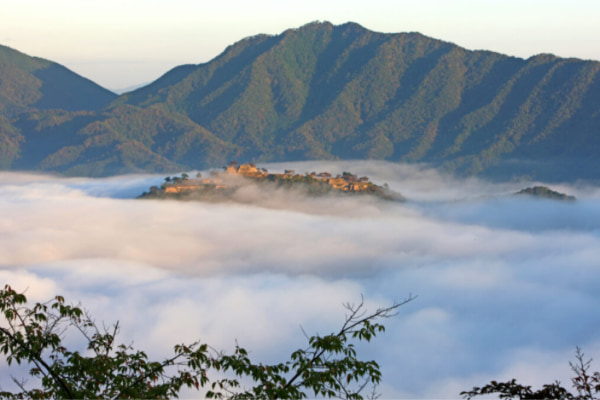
327,367
586,384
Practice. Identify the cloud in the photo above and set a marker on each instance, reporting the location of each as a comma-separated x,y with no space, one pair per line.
507,287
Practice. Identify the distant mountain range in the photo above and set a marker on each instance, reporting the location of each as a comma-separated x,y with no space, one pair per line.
317,92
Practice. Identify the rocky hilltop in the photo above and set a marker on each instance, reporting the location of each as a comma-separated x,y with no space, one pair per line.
545,193
222,184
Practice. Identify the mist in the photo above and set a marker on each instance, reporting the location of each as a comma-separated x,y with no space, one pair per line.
506,285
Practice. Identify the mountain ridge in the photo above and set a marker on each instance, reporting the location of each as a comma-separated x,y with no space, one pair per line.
36,83
323,91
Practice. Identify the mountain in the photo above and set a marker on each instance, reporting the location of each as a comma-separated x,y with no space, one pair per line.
30,82
334,92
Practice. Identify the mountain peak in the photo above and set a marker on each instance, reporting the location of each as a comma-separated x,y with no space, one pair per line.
324,91
31,82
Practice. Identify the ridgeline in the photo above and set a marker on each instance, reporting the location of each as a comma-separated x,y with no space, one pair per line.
317,92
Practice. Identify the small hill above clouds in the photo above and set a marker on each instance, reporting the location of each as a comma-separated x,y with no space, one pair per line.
544,192
326,92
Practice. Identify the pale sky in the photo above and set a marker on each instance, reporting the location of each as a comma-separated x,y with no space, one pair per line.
120,43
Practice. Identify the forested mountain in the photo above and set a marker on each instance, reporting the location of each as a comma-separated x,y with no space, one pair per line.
34,83
29,84
331,92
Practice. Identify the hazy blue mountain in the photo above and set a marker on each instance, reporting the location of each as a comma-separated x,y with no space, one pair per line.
30,82
335,92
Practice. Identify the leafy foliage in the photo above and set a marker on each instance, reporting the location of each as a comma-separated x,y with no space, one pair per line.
586,384
34,336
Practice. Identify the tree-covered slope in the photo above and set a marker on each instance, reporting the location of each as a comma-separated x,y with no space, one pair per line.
117,140
30,82
343,92
324,91
31,85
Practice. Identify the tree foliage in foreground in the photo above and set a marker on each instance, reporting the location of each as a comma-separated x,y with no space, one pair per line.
585,383
35,336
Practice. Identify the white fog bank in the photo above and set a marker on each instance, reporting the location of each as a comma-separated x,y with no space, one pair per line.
507,286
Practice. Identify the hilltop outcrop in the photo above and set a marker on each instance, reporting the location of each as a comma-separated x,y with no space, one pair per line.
545,193
220,185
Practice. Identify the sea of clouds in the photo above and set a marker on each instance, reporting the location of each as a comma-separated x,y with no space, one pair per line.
507,285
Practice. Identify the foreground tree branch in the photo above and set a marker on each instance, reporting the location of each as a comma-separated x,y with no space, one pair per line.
585,383
327,367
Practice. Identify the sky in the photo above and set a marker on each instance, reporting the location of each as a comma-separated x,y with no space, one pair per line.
506,286
123,43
